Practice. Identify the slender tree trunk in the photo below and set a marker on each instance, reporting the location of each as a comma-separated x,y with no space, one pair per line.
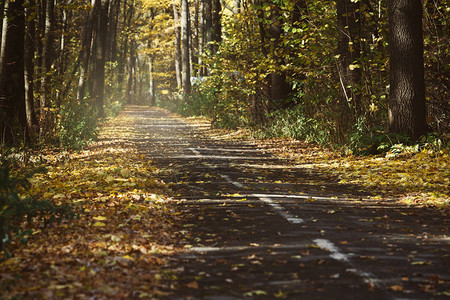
348,22
216,30
195,39
151,80
30,36
177,44
85,53
47,60
2,10
98,89
131,74
12,83
407,108
201,38
185,62
207,6
280,89
128,8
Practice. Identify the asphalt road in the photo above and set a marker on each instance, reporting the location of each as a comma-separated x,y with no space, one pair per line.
260,227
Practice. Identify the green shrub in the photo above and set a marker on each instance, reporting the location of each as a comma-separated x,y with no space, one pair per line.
15,208
77,124
113,108
374,141
293,123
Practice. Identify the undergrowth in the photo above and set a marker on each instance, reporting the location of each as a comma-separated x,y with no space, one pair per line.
16,207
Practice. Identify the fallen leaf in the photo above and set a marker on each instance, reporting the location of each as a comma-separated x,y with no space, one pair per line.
192,285
396,288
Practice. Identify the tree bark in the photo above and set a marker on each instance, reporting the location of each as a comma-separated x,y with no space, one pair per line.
349,71
85,53
47,60
98,89
185,62
195,39
30,36
279,88
407,108
216,30
131,73
12,83
151,80
177,44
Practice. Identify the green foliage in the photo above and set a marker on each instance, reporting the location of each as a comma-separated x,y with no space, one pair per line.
113,108
14,208
77,123
378,141
293,123
374,141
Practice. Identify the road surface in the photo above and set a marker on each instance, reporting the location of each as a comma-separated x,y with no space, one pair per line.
260,227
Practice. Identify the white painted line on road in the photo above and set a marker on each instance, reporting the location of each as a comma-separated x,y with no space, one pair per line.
235,183
195,151
295,196
278,208
336,254
329,246
323,244
281,211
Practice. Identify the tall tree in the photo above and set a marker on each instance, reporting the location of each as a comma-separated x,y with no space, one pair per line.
47,60
216,29
177,44
349,71
85,53
30,37
280,89
185,61
151,81
12,83
407,108
98,88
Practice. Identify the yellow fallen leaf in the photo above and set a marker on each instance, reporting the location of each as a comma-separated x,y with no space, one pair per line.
128,257
100,218
99,224
396,288
280,294
192,285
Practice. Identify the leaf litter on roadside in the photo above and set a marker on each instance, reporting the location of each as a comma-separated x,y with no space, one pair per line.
116,246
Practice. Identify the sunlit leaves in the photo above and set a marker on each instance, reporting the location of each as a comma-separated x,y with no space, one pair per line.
124,219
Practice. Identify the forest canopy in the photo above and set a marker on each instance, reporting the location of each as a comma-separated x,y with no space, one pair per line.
358,73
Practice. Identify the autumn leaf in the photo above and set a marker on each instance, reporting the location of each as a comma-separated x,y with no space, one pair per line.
192,285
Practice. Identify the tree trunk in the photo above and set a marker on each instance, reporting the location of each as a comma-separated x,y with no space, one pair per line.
279,88
30,36
195,39
131,73
177,44
47,60
185,62
348,22
216,30
12,83
98,89
407,108
151,80
85,54
201,38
